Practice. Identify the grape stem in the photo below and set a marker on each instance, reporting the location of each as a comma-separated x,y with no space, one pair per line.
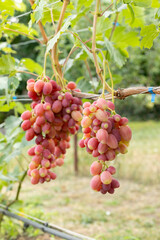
45,62
110,74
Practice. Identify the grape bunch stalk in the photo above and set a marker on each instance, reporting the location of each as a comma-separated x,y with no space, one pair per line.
105,135
55,115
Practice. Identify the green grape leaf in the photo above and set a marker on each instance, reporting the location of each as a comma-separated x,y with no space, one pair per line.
130,8
11,123
32,66
103,24
56,10
123,39
139,14
7,107
53,40
39,10
7,64
149,33
83,4
13,83
3,82
143,3
116,54
157,16
155,4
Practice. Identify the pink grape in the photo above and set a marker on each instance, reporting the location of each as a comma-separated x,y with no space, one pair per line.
106,177
111,190
31,151
49,115
47,154
57,106
47,106
38,86
46,128
71,85
26,125
45,163
26,115
110,154
40,120
38,149
101,103
34,180
30,134
43,172
102,136
96,183
112,141
115,183
96,168
102,148
101,115
39,110
47,88
52,175
125,133
92,143
112,170
59,162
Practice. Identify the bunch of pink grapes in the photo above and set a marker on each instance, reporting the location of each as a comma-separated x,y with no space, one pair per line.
54,116
105,135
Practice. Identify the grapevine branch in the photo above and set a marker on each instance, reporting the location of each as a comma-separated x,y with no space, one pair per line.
40,26
119,94
98,69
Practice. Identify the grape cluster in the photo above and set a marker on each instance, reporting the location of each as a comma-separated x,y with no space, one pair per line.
105,135
102,179
54,116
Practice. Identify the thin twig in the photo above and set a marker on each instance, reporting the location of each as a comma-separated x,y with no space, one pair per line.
20,71
80,41
22,33
106,9
114,26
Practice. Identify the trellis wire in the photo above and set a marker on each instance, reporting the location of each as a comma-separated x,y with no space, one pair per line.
42,225
31,11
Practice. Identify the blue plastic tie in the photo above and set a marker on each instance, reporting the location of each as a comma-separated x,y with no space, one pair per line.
117,24
14,97
150,89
